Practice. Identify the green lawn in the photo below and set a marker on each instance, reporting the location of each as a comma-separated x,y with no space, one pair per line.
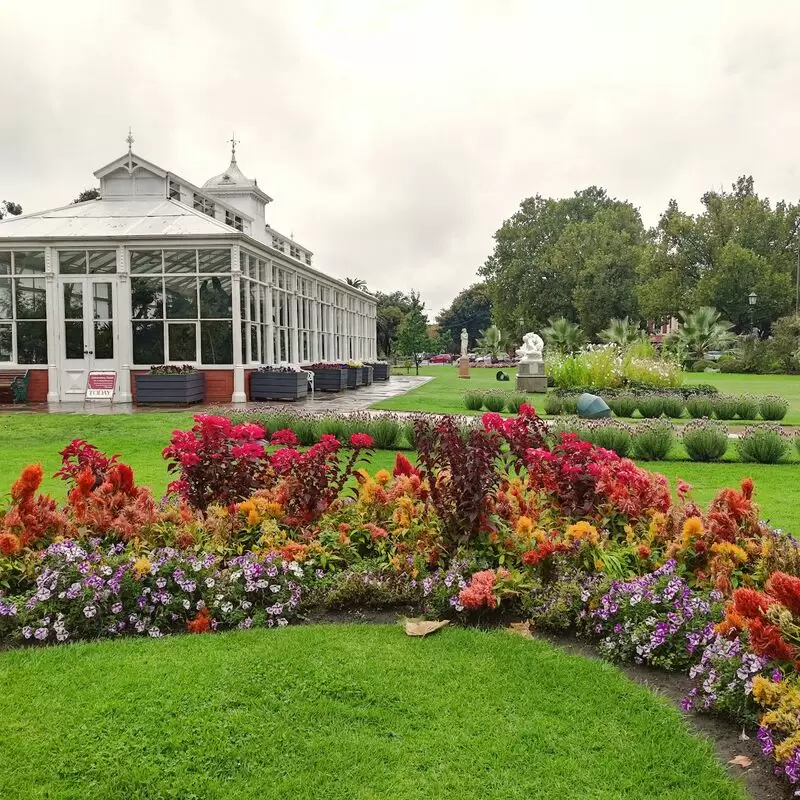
445,393
344,712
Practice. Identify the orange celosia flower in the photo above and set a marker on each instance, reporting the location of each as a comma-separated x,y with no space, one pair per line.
524,526
28,482
750,603
786,590
382,477
201,623
9,544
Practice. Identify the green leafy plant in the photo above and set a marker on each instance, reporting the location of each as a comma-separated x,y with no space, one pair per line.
563,335
385,430
553,404
514,401
569,403
306,429
763,444
773,408
494,400
620,332
653,439
747,406
623,405
705,440
609,434
650,406
673,406
473,399
699,406
701,331
725,406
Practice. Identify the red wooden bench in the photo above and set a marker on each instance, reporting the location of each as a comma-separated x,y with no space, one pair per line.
14,385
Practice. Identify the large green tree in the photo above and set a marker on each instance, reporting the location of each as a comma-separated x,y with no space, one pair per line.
575,257
391,311
471,309
737,245
413,337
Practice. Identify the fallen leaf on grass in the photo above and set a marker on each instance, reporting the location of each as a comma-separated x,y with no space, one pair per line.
422,627
521,629
741,761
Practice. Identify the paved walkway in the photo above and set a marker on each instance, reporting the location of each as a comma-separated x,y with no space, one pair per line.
323,402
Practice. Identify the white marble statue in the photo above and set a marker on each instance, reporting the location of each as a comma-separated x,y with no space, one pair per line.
532,347
464,342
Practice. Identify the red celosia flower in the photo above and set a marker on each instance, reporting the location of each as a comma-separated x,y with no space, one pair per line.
402,466
201,623
643,552
747,488
184,541
786,590
766,640
27,483
9,544
284,437
293,551
750,603
478,592
376,532
359,441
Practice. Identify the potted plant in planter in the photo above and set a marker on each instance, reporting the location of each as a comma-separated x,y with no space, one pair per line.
355,374
170,383
381,370
329,377
278,383
368,375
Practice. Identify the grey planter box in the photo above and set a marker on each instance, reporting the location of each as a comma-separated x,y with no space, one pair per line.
278,385
330,380
368,376
174,389
355,377
381,372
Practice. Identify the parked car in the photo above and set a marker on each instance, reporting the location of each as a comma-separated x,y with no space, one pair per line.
442,358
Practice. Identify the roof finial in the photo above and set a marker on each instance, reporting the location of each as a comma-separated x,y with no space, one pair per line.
129,140
234,141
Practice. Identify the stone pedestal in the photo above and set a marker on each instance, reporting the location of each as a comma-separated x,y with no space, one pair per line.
463,367
531,377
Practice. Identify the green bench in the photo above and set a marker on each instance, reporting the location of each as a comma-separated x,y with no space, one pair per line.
14,385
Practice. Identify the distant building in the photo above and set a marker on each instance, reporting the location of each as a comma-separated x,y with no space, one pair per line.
158,270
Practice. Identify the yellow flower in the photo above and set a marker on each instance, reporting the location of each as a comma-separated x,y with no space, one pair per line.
524,526
581,530
141,566
273,509
657,522
692,529
598,564
730,550
383,477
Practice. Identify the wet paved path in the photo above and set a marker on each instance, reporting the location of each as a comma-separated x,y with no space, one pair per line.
323,402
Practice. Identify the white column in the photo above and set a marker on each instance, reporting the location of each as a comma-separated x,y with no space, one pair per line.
53,326
294,346
315,309
123,326
269,345
238,395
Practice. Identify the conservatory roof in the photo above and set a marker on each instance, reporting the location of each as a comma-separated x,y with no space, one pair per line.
102,218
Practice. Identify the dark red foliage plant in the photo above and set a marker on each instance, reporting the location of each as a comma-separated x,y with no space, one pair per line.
462,472
217,461
78,457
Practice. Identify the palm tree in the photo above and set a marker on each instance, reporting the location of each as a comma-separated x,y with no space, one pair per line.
490,342
563,335
702,331
620,332
356,283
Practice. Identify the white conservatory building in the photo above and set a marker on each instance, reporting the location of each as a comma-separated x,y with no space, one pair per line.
160,271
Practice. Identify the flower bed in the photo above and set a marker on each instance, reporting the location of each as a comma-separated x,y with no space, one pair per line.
500,515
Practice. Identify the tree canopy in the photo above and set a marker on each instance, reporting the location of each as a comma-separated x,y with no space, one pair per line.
588,259
8,208
471,309
87,194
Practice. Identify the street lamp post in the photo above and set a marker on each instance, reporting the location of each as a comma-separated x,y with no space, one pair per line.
752,299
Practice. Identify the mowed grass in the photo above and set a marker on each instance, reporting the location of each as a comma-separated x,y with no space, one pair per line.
350,712
140,438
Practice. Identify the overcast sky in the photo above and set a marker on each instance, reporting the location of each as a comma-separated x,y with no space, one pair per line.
395,137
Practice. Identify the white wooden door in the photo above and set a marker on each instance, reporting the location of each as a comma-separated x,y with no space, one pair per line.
90,335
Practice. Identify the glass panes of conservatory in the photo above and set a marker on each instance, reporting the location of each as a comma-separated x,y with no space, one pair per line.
146,261
6,304
103,320
180,294
215,298
102,262
5,341
29,262
147,298
31,342
72,262
73,319
180,261
5,263
216,342
148,342
31,298
182,341
214,260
